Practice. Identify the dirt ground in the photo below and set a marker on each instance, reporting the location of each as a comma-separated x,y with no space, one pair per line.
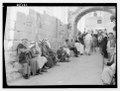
83,70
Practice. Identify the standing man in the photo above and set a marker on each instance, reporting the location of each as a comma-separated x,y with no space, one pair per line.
88,43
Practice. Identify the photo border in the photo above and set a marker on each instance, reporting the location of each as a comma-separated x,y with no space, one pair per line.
5,5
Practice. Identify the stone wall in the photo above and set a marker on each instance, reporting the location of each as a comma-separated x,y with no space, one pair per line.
33,26
9,52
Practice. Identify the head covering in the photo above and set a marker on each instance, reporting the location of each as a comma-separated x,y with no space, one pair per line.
32,44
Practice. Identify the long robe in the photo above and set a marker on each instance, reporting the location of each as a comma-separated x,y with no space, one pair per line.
79,47
110,46
103,46
23,60
63,55
37,62
67,50
109,71
45,53
88,43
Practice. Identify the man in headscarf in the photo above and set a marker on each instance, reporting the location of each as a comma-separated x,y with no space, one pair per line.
88,43
62,54
71,46
111,43
80,47
103,45
24,58
48,43
49,54
109,75
36,51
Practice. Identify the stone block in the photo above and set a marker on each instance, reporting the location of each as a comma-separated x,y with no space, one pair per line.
22,35
12,71
15,44
17,66
13,76
21,17
19,26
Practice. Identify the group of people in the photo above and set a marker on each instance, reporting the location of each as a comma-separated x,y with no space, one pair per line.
35,57
38,56
105,43
109,74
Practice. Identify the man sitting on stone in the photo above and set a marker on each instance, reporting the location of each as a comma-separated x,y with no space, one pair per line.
109,72
72,47
37,61
62,55
80,47
52,53
24,60
49,54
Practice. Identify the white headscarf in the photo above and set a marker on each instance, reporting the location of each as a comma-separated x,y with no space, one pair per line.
38,48
48,43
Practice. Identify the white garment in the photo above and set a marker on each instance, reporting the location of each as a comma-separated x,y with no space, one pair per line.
108,74
48,43
79,47
88,43
40,59
67,50
109,48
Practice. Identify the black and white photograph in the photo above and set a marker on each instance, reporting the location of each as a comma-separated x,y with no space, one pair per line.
60,45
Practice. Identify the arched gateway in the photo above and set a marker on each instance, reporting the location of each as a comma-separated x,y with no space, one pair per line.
75,16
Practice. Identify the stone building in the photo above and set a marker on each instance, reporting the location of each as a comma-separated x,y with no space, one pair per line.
75,14
32,25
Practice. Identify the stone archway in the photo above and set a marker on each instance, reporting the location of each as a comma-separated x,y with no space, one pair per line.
85,10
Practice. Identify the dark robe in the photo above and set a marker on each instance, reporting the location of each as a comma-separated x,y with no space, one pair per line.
45,53
103,46
62,55
52,54
22,55
81,40
24,60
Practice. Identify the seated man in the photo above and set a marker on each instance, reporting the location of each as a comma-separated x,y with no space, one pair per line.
62,55
72,47
80,47
23,60
67,50
109,72
52,54
45,53
37,61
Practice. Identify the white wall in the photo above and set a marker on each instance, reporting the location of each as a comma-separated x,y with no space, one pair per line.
89,21
58,12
